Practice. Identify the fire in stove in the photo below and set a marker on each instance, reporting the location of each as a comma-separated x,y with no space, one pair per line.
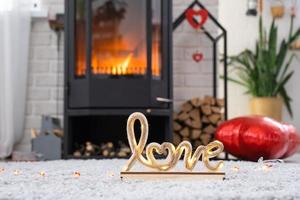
129,65
114,67
119,44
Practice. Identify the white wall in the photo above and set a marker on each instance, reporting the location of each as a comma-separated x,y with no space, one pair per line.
242,33
45,73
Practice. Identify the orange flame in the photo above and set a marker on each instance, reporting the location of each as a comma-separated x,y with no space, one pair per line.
121,68
113,63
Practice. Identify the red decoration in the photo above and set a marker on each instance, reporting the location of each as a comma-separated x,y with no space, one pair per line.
253,137
190,16
197,57
293,141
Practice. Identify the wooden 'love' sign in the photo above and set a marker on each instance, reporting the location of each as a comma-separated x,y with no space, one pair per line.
174,154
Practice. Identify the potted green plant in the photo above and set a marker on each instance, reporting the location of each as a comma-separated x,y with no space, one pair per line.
265,71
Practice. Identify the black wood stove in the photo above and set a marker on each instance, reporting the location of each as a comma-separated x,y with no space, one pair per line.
118,60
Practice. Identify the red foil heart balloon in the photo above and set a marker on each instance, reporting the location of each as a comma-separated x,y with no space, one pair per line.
190,16
197,57
253,137
293,141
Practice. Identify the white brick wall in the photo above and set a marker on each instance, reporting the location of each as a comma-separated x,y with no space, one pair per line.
191,79
46,66
45,79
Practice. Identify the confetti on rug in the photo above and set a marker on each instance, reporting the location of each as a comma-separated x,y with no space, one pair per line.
99,179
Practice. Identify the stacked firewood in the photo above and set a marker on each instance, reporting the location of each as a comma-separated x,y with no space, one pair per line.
107,149
197,120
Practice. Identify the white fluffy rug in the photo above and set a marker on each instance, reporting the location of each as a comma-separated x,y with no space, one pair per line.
99,179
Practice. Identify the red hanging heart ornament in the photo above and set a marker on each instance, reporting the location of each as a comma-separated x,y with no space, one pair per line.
190,16
197,57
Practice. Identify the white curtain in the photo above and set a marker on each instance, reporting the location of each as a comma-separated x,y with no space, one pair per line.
14,46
